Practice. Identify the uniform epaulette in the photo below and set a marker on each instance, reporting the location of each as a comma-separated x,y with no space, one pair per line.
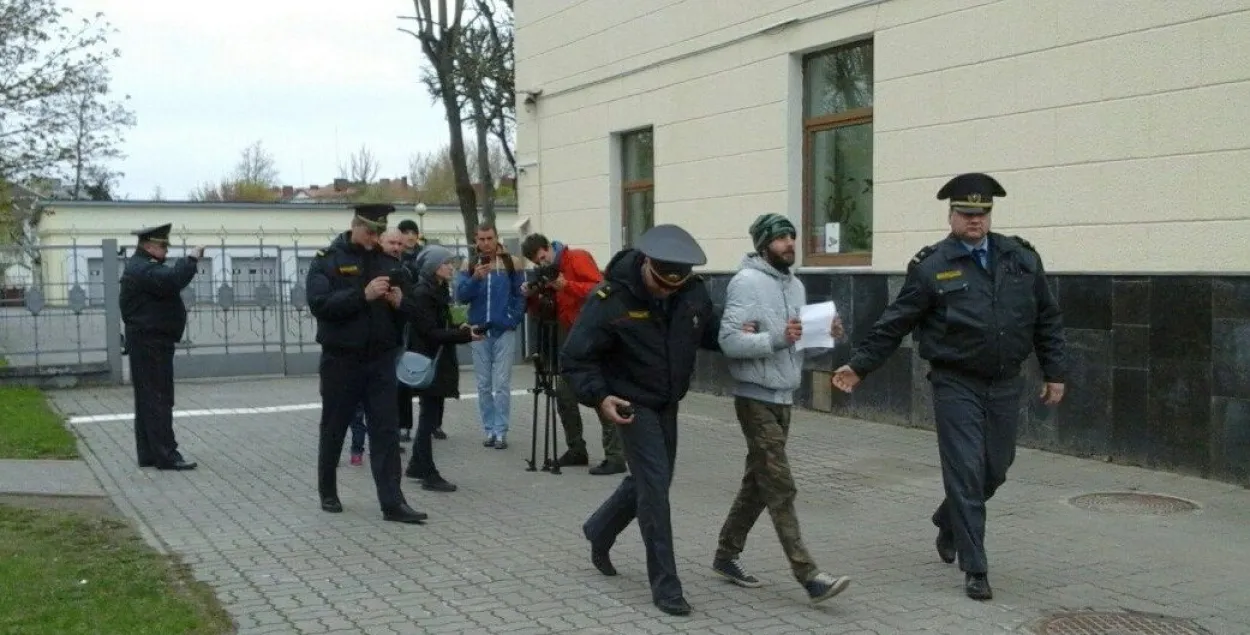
921,255
321,253
604,291
1024,243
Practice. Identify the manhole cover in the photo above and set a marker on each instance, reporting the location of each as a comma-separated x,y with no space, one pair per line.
1099,623
1133,503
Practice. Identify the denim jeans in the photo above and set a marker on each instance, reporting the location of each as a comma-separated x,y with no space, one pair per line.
358,430
492,364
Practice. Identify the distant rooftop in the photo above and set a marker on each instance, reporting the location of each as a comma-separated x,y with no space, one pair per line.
283,206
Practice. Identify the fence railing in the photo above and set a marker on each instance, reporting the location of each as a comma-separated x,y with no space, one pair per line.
247,307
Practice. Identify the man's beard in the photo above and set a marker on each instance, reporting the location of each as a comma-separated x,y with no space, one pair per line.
779,262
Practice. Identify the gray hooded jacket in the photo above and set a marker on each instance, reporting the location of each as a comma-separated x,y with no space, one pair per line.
765,365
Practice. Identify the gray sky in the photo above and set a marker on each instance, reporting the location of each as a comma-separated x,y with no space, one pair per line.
208,79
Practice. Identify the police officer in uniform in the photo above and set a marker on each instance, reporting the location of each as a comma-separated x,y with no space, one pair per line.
633,347
155,317
980,305
359,320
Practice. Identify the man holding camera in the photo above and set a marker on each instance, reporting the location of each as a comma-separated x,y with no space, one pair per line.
355,290
566,276
491,285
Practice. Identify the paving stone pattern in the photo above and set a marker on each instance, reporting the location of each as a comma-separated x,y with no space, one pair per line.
505,553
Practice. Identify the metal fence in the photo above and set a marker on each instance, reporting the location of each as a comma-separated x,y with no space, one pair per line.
247,308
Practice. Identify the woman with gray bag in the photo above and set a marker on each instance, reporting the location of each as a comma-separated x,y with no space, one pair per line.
430,333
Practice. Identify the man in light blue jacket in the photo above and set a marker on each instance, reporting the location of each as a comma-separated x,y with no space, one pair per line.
491,286
759,328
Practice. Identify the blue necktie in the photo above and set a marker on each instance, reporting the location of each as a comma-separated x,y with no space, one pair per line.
979,254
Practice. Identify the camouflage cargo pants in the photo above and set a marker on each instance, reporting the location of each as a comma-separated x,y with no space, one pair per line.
767,484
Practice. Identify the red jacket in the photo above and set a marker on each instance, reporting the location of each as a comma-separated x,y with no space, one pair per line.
581,276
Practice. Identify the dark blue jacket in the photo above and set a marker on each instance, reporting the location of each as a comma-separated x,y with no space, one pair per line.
346,322
151,296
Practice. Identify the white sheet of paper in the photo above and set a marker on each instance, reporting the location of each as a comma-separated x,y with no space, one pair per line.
816,319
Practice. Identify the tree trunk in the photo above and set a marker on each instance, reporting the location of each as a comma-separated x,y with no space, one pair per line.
459,160
481,125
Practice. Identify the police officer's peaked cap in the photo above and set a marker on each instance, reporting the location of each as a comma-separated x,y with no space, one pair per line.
971,193
673,252
374,214
160,233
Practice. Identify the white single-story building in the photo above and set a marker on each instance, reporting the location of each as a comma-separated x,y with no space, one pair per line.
248,244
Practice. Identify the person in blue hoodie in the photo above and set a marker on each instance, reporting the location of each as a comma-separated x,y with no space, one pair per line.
491,286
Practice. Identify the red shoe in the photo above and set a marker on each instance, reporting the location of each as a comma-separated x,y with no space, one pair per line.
357,459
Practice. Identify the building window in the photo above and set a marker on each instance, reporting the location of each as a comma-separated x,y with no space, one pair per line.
837,155
637,184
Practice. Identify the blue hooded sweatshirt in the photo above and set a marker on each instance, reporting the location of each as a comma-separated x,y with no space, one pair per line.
496,301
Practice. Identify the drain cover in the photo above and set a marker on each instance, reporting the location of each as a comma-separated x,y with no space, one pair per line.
1100,623
1133,503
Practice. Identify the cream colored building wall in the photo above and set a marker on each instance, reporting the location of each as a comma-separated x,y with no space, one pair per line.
71,234
1118,127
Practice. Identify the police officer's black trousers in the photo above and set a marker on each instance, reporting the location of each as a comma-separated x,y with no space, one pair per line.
650,451
976,429
348,379
152,374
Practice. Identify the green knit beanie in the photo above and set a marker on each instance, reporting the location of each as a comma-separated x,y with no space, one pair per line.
769,227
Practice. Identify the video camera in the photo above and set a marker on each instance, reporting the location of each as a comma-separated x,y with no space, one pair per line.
546,274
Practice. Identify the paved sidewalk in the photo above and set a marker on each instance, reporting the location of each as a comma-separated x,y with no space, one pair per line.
505,553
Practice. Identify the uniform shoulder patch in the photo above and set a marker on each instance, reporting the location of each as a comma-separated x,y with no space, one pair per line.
1024,243
604,291
922,255
321,253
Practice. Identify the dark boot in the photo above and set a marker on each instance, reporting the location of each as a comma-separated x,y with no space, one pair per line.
977,586
674,606
404,514
607,467
574,457
946,545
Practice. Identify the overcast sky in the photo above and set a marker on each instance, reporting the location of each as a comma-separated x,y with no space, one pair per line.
207,79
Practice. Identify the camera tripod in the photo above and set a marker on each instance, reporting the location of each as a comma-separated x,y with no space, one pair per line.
546,371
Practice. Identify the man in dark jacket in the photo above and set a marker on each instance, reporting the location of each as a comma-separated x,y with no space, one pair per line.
155,317
630,355
980,306
359,322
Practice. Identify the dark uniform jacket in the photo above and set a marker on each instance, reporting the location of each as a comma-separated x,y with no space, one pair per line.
630,345
430,330
336,296
970,320
151,300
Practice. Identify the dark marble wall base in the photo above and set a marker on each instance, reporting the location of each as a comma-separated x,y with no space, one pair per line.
1159,374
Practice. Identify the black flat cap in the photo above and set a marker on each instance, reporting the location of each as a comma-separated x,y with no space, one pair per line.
673,252
971,193
374,214
408,225
160,233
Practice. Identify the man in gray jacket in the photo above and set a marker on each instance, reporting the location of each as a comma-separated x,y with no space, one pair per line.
764,298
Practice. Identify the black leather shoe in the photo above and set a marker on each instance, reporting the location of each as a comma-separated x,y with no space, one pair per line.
178,466
573,458
438,433
331,504
147,463
946,545
438,484
404,514
674,606
599,558
977,586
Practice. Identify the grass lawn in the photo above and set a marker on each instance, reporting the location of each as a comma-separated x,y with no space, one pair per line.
64,573
30,429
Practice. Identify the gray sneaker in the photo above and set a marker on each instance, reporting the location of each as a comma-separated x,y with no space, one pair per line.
825,585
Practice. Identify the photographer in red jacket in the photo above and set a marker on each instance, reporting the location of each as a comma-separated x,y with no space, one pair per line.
568,276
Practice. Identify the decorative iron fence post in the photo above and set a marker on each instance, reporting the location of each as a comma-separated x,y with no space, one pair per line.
110,269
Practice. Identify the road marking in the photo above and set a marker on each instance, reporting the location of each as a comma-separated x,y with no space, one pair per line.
224,412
